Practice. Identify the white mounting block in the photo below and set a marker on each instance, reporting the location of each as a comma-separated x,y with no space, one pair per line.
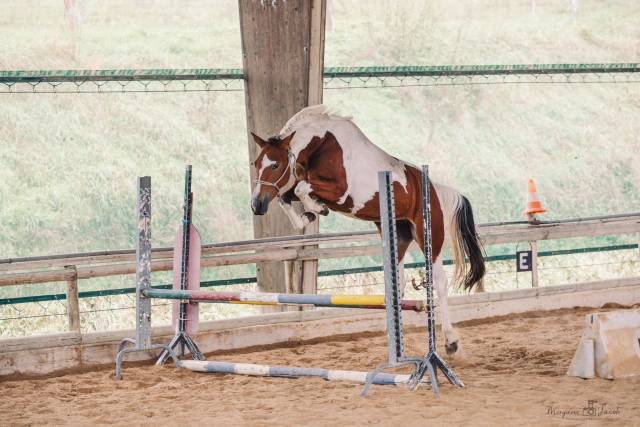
609,347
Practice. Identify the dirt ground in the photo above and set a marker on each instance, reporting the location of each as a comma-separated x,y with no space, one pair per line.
513,368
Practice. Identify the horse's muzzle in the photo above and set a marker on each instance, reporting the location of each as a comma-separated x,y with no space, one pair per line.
260,204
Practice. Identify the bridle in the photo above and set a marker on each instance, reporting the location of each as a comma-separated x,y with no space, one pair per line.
293,177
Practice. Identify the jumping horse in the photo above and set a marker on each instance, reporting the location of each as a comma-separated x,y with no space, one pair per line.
326,162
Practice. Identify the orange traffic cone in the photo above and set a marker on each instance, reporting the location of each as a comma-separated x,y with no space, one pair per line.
533,203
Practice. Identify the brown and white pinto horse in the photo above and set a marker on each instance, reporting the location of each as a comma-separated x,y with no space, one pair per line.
327,163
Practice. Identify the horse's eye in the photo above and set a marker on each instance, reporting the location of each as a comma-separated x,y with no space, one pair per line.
275,166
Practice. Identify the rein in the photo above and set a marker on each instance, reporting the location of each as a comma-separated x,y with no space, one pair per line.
291,165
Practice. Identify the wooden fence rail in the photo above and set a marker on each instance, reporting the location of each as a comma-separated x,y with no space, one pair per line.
73,267
19,271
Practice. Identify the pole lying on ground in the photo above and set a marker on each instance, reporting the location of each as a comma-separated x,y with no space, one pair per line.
376,302
289,372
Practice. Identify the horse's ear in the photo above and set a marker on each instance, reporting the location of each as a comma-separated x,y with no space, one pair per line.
287,140
261,142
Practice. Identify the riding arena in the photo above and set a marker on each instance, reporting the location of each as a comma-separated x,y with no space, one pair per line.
393,254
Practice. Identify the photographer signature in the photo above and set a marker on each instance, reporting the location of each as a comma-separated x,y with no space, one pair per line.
594,409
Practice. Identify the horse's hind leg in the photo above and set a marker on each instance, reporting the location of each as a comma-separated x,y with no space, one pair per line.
405,237
440,281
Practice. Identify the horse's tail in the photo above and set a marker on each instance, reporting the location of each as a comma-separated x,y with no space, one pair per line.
460,225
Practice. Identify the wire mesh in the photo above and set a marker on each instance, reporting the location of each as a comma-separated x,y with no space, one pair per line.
133,86
373,82
207,80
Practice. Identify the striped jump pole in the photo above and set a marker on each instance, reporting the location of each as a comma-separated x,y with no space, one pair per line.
264,298
290,372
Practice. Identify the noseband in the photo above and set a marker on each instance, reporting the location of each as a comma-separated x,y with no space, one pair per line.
293,177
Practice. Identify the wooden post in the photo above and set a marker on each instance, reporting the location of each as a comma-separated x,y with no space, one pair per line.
282,48
293,280
534,263
73,305
309,269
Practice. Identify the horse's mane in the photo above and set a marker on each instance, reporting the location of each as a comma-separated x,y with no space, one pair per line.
274,140
308,114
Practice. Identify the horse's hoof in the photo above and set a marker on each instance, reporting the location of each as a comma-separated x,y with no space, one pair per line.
310,216
324,211
451,348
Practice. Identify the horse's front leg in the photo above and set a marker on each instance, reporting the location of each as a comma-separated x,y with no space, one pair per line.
311,206
294,216
440,281
298,219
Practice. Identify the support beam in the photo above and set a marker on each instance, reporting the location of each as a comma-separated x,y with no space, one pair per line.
282,60
316,68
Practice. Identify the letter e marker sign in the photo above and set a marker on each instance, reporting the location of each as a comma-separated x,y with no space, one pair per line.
523,261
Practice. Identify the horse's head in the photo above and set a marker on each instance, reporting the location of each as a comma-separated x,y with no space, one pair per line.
274,174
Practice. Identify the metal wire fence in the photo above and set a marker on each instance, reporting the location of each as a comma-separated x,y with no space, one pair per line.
228,80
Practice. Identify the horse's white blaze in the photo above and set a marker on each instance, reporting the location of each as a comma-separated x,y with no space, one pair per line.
362,159
266,162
